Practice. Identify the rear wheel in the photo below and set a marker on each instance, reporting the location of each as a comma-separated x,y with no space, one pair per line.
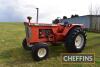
76,40
40,52
25,46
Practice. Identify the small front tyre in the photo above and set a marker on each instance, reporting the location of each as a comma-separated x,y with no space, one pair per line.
25,46
40,51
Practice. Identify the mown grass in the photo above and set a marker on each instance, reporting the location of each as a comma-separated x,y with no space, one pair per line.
13,55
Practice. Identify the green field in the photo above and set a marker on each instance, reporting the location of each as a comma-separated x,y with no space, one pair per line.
13,55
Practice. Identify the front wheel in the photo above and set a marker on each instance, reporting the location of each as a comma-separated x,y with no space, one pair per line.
25,46
76,40
40,51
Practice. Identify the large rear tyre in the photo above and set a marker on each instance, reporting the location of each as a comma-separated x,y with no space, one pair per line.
76,40
25,46
40,52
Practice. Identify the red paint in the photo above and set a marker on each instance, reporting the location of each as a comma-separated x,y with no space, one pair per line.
59,32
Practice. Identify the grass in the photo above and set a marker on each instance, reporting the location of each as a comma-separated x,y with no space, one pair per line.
13,55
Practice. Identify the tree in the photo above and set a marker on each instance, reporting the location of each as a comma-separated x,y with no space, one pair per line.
76,15
94,12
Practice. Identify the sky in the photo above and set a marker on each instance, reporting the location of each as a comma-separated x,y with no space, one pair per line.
18,10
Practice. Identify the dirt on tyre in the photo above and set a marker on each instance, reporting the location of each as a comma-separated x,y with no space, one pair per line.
75,40
25,46
40,51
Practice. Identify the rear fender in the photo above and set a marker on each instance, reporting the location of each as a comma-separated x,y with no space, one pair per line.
69,28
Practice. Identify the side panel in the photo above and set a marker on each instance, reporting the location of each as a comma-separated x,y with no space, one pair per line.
35,33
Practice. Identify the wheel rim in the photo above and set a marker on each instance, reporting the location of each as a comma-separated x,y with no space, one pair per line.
42,52
79,41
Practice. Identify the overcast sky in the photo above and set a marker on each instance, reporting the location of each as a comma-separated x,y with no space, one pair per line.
18,10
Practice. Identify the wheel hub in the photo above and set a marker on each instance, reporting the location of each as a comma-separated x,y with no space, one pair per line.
42,52
79,41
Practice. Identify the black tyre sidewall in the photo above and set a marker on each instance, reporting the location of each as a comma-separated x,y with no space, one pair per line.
25,46
70,40
35,49
76,49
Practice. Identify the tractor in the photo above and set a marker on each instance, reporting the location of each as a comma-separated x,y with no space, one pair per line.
39,35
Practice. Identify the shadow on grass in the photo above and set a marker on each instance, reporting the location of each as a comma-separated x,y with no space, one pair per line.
20,56
16,56
55,51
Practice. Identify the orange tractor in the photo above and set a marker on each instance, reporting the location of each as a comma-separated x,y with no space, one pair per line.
38,36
